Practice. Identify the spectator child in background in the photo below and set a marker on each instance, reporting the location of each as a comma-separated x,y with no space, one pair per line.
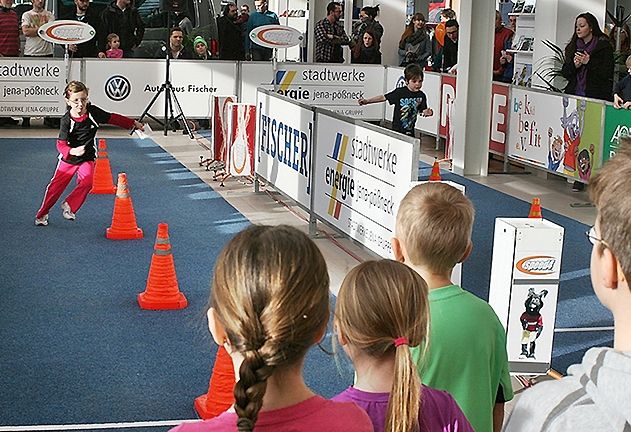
595,394
381,311
201,48
408,101
77,151
466,355
113,46
622,91
269,305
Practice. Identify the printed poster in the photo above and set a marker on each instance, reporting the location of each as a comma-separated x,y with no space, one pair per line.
559,133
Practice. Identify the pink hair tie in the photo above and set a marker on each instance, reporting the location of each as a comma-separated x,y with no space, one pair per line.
401,341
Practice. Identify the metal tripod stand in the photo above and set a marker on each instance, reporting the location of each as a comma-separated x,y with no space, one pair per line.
170,101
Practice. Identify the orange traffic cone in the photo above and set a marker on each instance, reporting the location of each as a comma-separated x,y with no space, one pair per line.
162,291
103,181
435,175
220,394
124,219
535,209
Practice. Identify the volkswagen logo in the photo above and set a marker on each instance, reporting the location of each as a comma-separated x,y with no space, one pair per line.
117,88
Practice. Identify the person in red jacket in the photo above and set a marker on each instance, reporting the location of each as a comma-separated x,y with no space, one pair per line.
77,151
502,61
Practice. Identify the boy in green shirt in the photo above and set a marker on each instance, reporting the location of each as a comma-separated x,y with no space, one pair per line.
466,355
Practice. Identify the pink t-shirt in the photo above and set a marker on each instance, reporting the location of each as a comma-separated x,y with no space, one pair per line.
114,53
315,414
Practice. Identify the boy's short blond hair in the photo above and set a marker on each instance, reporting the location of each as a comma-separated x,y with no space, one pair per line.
607,190
628,62
434,225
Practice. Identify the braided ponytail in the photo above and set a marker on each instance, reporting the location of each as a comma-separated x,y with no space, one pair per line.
262,291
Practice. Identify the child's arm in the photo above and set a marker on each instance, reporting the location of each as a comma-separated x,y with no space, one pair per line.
374,99
617,101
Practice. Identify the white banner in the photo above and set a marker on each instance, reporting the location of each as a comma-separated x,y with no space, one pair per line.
431,88
242,123
127,87
32,87
360,178
333,87
283,146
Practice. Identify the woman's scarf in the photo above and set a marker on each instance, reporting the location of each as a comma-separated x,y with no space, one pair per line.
581,72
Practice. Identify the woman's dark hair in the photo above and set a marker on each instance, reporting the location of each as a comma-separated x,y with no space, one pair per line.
409,29
592,22
371,11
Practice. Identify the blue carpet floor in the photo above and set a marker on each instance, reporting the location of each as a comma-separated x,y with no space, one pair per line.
76,348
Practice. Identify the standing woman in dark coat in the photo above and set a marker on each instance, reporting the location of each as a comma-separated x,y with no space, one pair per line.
367,50
589,64
589,61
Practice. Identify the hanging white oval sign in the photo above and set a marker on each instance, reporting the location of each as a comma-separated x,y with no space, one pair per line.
276,36
65,32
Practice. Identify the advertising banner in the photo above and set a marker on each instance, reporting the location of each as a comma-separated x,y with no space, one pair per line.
32,87
447,96
219,121
559,133
284,146
361,175
499,118
127,87
431,88
242,127
333,87
617,125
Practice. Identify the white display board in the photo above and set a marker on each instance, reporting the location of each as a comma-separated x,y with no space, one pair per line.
32,87
524,289
333,87
360,177
127,87
559,133
431,88
284,145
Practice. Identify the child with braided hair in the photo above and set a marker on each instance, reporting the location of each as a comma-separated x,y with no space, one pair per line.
269,305
382,310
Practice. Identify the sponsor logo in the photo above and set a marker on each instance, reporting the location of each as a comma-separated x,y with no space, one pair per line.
400,82
276,36
117,88
536,265
66,32
339,153
284,78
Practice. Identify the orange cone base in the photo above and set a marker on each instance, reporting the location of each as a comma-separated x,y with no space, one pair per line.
117,234
146,302
104,191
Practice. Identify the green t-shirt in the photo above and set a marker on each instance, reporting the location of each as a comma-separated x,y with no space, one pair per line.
466,355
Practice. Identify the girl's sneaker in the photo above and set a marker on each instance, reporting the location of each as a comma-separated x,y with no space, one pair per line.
66,212
43,221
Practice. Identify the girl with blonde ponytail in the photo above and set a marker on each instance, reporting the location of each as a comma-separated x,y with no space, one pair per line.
381,311
269,305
